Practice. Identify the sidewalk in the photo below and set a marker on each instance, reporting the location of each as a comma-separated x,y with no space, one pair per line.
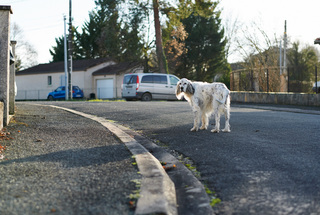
56,162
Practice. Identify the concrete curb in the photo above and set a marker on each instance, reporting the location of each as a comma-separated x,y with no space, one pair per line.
192,197
157,193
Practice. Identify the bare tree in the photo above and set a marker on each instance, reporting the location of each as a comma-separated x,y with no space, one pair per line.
232,28
26,55
260,55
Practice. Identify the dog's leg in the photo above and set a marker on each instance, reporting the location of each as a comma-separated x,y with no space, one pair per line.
196,112
217,118
227,117
205,121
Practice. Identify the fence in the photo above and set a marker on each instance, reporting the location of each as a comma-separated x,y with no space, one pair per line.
299,80
89,93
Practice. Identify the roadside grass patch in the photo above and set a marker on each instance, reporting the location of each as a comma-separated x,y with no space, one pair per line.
106,100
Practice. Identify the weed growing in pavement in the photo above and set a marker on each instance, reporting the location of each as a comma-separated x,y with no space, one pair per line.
211,194
135,195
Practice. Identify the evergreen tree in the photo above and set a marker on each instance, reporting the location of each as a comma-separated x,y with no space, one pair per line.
57,52
301,64
204,56
105,34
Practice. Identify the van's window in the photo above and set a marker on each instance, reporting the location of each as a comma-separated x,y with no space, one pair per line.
155,79
160,79
130,79
147,79
173,80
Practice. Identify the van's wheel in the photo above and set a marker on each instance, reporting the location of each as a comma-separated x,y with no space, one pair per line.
50,98
146,97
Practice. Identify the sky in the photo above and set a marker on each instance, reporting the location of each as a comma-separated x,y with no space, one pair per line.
42,20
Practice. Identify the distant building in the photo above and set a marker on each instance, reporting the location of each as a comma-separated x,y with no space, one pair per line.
101,77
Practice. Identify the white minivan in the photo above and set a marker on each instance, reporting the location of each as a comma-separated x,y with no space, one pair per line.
148,86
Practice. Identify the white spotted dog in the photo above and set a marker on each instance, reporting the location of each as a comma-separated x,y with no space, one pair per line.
205,99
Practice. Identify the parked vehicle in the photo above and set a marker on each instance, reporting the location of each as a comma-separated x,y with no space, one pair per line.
60,93
318,87
149,86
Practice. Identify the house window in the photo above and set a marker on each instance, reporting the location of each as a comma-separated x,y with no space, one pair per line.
50,80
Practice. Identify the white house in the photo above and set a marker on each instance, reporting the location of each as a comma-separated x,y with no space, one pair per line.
101,77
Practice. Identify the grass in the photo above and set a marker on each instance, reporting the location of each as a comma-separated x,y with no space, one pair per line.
107,100
211,194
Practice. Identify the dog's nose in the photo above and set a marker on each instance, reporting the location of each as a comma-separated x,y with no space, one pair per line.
181,88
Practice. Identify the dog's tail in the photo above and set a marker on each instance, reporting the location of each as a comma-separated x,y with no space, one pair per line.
227,103
225,97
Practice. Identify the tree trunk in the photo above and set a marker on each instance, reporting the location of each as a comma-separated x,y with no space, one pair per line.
159,49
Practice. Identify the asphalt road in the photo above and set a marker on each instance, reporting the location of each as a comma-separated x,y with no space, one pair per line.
268,164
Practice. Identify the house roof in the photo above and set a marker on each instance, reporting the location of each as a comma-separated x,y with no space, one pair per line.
116,68
78,65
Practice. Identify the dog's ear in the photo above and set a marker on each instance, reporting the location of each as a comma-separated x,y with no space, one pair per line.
179,95
190,88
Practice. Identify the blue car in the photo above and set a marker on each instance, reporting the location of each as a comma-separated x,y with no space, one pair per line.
60,93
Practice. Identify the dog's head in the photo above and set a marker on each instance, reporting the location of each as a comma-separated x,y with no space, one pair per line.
184,86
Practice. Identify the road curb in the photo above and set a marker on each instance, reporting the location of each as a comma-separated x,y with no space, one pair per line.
192,197
157,195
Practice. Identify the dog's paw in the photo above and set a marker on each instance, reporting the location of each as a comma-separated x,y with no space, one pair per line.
226,130
194,129
203,128
215,131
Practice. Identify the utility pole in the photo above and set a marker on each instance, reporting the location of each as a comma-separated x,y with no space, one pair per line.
280,59
70,52
283,69
65,60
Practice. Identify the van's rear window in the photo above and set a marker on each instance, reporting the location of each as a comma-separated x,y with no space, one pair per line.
130,79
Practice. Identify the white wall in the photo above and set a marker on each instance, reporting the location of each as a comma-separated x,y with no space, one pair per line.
36,86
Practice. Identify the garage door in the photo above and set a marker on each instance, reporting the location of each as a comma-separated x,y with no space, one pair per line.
105,89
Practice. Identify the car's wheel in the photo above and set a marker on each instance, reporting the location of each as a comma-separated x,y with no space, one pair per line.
146,97
50,98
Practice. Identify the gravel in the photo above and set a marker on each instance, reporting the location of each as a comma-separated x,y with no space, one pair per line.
56,162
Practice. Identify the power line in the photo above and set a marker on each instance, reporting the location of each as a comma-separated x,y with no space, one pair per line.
42,28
